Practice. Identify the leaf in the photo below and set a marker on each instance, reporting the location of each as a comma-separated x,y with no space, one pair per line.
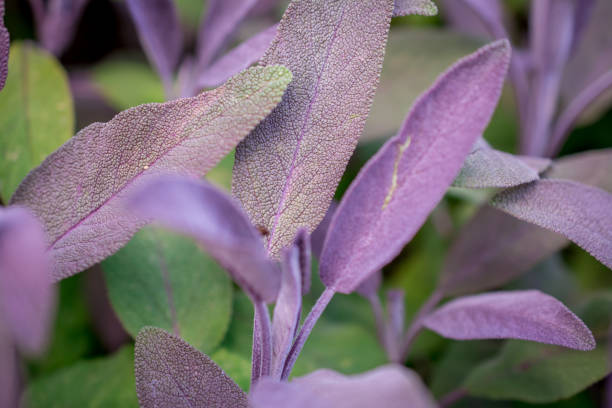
237,59
419,7
581,213
391,386
125,83
37,113
479,18
96,383
165,280
217,222
481,258
539,373
27,298
237,367
412,170
592,168
160,33
288,308
287,169
485,167
527,315
86,181
4,47
171,373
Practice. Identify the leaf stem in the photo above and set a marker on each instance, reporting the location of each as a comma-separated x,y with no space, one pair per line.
256,353
305,330
379,319
417,322
266,337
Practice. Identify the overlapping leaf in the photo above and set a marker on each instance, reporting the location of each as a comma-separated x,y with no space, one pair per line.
581,213
527,315
27,298
420,7
4,47
218,223
171,373
288,168
393,194
592,168
86,181
37,113
391,386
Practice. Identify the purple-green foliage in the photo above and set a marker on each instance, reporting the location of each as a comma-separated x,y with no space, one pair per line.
4,47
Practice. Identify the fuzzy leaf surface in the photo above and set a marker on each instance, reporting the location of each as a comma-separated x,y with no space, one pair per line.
160,33
592,168
419,7
171,373
4,47
164,280
37,113
27,298
391,386
397,189
526,315
287,169
85,182
217,222
581,213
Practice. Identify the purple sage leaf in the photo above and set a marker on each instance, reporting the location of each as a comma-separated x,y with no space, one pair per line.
526,315
482,18
318,235
287,169
4,47
209,215
288,308
581,213
391,386
27,297
170,373
419,7
397,189
592,168
492,249
57,22
85,182
160,33
237,59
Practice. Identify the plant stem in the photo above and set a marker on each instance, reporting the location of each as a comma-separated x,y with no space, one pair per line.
417,322
452,397
256,353
379,318
305,330
266,337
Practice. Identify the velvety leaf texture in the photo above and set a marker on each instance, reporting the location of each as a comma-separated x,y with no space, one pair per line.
170,373
27,298
287,169
420,7
391,386
592,168
4,47
160,33
85,182
396,190
581,213
37,113
492,249
526,315
217,222
485,167
237,59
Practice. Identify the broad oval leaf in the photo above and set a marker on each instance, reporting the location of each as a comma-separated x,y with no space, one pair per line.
287,169
27,298
217,222
391,386
237,59
164,280
482,258
419,7
396,190
102,382
581,213
160,33
526,315
37,113
86,181
188,378
540,373
4,47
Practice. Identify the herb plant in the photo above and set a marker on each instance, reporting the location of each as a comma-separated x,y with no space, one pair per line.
125,200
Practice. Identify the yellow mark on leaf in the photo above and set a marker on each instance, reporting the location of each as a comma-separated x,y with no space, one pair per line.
400,151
